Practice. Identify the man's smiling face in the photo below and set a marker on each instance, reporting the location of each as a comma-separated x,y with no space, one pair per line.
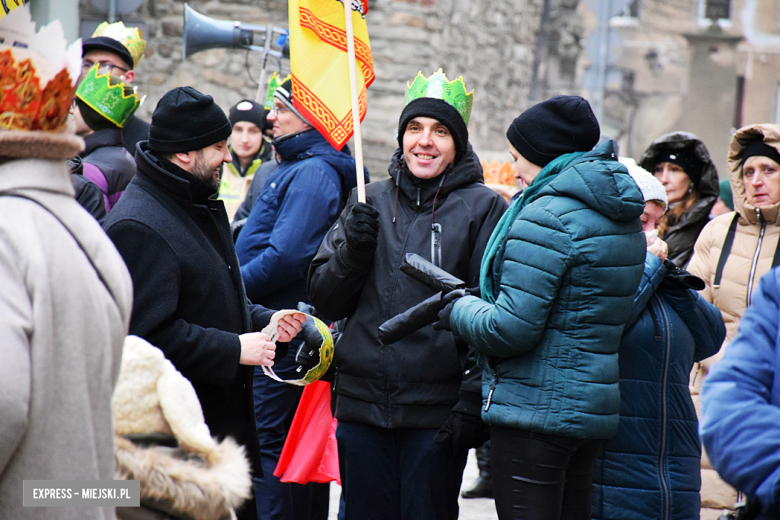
428,147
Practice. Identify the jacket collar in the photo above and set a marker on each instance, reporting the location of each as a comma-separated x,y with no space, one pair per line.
299,146
101,138
466,171
174,181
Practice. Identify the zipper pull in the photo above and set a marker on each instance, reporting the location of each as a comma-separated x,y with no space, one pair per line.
490,396
418,198
758,216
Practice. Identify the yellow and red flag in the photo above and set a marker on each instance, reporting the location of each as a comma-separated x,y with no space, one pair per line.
320,70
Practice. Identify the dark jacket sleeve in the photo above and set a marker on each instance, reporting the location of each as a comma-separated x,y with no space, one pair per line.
203,355
89,196
703,319
338,272
308,208
740,424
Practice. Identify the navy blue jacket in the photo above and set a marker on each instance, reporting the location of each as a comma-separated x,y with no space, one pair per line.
740,424
300,201
650,469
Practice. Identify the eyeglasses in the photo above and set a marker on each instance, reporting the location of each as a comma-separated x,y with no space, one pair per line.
275,110
103,66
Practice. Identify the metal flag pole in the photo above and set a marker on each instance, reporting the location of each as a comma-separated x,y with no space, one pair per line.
361,188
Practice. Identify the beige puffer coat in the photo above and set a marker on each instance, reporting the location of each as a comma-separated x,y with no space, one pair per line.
751,255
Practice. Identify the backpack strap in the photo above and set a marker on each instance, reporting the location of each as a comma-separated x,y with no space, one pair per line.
73,235
724,253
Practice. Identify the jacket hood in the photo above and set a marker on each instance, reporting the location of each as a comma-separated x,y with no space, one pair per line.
311,144
708,186
599,181
466,171
771,135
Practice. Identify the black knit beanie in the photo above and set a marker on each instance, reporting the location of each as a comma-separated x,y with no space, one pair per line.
441,111
547,130
186,120
686,159
249,111
759,148
104,43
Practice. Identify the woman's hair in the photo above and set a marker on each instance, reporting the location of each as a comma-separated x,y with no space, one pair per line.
672,216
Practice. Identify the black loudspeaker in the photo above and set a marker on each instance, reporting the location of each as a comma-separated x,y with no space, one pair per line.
202,33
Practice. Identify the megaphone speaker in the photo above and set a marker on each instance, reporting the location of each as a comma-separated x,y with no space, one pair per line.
202,33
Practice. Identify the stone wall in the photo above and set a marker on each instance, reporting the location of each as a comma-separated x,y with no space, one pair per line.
491,43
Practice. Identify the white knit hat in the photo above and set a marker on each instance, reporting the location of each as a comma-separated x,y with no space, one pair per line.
652,189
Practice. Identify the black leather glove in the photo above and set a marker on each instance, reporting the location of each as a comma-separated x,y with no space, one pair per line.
465,431
449,300
236,227
361,227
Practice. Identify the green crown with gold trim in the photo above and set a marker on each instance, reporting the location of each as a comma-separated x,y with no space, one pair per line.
274,84
108,100
439,87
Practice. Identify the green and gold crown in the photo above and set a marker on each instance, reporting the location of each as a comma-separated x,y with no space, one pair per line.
130,37
439,87
274,84
106,99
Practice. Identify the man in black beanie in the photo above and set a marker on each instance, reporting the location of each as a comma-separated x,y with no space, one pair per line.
249,151
408,412
189,297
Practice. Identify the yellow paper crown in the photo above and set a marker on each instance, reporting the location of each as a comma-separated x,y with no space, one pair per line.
37,89
130,37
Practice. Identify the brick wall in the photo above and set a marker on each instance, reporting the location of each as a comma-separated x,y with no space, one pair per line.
492,43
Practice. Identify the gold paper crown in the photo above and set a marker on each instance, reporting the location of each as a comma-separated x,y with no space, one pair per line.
130,37
37,90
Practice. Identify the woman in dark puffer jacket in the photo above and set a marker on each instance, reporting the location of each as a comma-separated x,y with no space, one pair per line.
650,469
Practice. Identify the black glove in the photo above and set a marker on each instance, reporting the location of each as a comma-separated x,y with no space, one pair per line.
449,300
466,431
361,227
236,227
677,278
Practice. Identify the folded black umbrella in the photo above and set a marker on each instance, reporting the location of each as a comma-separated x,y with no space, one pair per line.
425,312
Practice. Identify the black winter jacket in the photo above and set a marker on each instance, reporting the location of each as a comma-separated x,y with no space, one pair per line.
415,382
189,298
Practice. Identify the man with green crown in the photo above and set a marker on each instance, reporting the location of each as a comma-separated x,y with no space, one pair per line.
117,49
408,412
103,105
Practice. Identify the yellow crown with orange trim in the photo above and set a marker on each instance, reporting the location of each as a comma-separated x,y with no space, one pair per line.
36,91
130,37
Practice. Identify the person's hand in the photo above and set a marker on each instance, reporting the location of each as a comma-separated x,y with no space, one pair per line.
257,349
361,227
289,326
449,300
659,248
465,431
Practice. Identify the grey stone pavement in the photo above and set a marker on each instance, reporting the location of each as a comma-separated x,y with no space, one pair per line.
472,509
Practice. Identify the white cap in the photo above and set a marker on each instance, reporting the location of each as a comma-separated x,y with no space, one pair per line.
651,188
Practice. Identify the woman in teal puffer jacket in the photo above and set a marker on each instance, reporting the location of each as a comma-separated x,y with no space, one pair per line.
557,282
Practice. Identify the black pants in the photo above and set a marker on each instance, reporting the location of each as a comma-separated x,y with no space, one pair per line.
544,477
399,474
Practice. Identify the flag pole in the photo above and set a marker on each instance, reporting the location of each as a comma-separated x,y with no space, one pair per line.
361,188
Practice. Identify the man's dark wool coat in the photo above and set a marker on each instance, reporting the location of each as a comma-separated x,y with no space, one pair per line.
189,299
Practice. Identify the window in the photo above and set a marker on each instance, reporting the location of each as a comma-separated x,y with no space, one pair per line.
715,9
631,10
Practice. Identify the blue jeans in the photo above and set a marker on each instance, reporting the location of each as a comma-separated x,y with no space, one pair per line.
399,474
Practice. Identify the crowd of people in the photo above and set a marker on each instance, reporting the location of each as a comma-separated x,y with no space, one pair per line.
604,316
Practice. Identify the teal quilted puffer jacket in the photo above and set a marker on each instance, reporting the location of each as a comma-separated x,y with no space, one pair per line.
565,279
